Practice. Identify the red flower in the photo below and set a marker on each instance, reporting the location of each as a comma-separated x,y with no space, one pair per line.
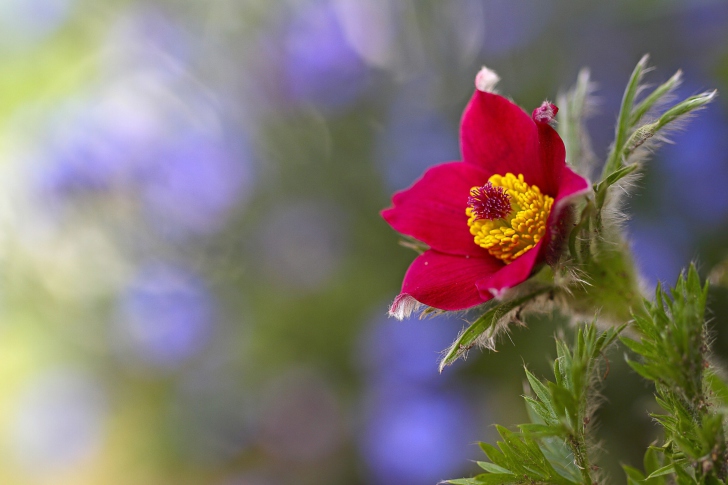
487,220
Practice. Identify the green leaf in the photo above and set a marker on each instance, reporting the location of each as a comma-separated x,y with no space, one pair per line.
680,110
496,478
634,346
540,430
685,477
543,394
685,107
652,461
654,97
601,188
564,402
614,159
486,322
607,338
493,453
665,470
493,468
463,481
634,476
513,443
547,415
558,453
643,370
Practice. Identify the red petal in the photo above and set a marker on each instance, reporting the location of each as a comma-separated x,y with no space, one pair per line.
447,281
571,185
433,209
500,137
509,275
552,158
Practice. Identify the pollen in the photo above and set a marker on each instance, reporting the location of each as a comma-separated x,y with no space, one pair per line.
507,231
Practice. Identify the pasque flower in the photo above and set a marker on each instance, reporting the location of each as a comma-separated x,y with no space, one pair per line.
489,219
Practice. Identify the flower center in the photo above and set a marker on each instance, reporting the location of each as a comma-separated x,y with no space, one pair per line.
489,202
507,216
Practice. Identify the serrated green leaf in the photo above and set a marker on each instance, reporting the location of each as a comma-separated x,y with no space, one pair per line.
540,389
541,411
533,416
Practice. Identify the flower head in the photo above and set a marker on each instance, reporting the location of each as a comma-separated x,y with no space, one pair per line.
489,219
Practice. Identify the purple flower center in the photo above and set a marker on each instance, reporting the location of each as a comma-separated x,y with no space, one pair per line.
489,202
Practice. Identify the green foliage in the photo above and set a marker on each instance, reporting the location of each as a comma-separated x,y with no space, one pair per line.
630,134
517,459
484,326
673,352
553,448
645,132
614,162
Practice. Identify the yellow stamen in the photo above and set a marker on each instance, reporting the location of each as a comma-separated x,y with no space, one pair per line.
510,237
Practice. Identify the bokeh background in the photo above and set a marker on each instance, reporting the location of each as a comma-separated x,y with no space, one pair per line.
193,273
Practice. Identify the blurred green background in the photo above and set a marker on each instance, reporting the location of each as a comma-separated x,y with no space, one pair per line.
193,273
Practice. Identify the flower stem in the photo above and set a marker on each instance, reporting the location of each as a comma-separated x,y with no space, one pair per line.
581,460
610,283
